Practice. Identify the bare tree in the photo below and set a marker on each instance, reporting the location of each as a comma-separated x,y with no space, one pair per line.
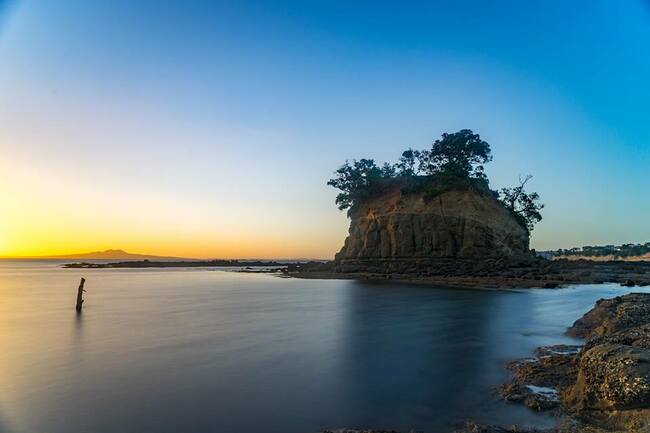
523,204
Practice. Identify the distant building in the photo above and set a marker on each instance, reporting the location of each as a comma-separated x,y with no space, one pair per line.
548,255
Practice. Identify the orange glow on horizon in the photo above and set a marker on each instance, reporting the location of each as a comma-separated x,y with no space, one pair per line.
45,215
239,248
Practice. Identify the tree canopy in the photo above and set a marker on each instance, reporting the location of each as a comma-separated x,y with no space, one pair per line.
357,180
454,160
460,154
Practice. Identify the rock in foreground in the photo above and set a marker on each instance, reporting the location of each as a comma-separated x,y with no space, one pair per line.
612,377
605,384
612,315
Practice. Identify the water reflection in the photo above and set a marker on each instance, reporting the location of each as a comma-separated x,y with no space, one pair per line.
416,353
4,425
78,321
206,351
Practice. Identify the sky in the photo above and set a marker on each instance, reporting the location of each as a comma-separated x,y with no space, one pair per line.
210,129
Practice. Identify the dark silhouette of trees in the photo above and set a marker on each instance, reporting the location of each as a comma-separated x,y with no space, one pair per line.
409,163
388,170
524,205
356,181
455,161
461,154
617,251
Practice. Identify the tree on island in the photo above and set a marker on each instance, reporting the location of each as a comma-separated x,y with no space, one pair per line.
409,164
461,154
357,181
455,161
525,206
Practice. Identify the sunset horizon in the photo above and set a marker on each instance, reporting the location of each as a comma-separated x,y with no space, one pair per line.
234,216
199,156
73,254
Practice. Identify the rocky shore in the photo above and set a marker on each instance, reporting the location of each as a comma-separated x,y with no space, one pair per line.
525,271
429,230
601,386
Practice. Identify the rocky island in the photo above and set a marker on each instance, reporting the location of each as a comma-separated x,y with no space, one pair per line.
413,231
433,218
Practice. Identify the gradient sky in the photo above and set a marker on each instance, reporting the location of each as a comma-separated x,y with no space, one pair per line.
209,129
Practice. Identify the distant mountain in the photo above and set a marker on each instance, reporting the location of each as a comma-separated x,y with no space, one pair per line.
109,255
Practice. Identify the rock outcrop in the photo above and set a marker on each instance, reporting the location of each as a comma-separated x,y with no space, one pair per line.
614,366
612,377
393,230
613,315
607,381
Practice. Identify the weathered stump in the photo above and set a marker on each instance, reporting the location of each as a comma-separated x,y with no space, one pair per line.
80,292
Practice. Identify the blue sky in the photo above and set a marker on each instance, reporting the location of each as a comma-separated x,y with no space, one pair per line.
211,128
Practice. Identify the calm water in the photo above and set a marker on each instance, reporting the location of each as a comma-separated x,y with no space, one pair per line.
213,351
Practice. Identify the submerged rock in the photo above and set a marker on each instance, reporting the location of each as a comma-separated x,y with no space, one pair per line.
537,382
539,398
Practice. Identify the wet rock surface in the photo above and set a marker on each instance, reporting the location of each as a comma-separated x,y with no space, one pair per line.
613,315
636,336
535,397
537,382
604,384
612,377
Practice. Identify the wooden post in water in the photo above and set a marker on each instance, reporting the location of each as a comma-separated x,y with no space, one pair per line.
80,292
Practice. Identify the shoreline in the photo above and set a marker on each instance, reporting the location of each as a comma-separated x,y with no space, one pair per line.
467,274
599,386
602,384
539,273
218,263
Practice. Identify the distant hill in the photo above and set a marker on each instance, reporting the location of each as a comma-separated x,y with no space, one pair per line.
109,255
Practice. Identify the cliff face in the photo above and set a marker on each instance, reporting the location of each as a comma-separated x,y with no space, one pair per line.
457,224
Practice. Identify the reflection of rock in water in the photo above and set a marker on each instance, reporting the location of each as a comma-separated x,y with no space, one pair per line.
469,427
455,373
351,430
